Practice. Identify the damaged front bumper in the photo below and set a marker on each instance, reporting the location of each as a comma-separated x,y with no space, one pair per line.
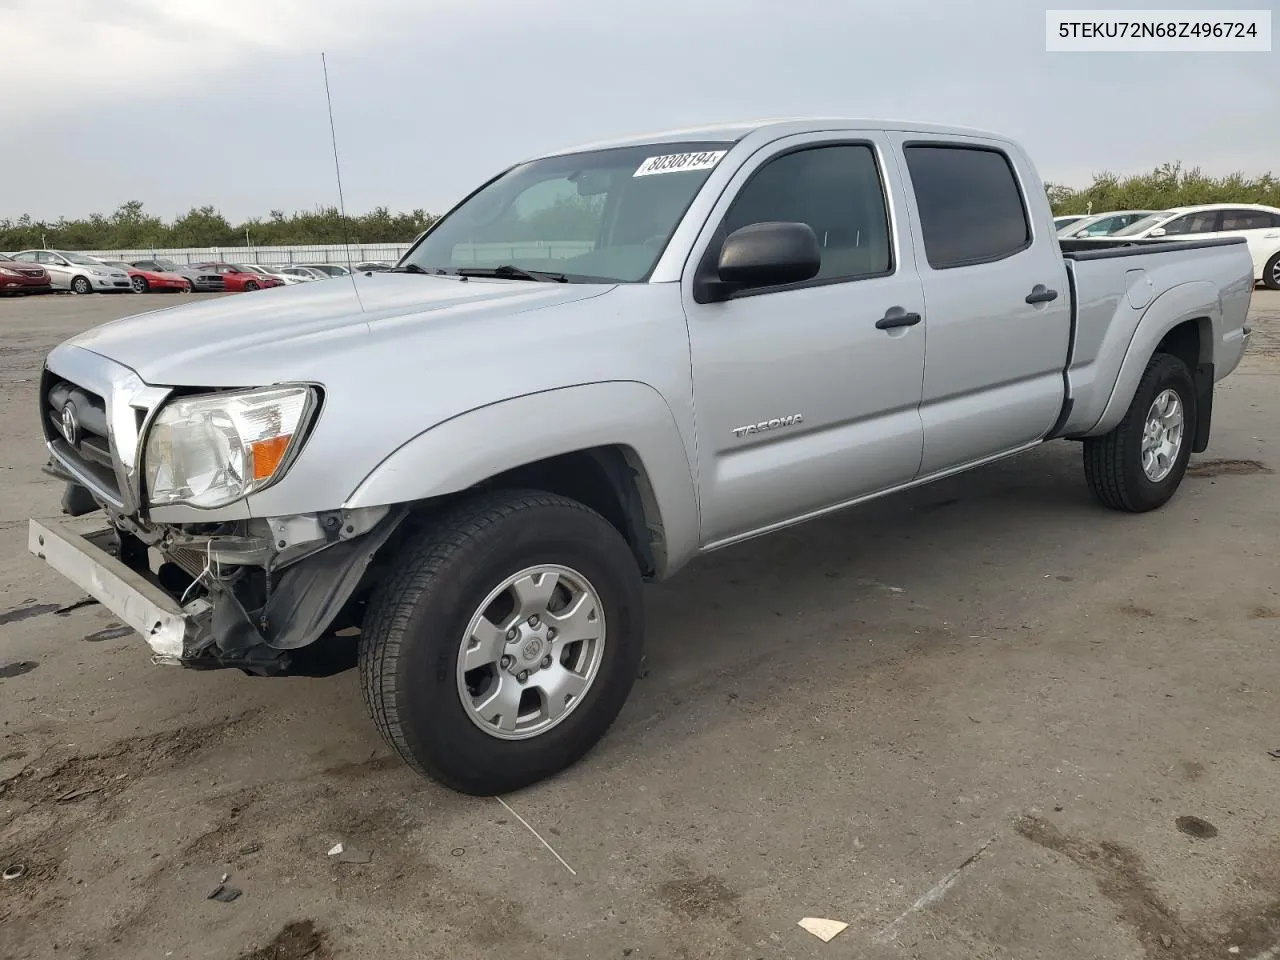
223,600
172,630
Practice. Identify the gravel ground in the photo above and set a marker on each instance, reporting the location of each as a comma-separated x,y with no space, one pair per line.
986,719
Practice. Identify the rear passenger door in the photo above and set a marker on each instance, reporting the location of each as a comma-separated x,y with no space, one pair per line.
801,401
995,288
1261,231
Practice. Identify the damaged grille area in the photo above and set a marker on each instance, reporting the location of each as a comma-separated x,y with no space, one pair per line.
75,424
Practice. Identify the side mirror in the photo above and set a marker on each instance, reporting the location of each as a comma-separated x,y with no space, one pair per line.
763,255
1157,232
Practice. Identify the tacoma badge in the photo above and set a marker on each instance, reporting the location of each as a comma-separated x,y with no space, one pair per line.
764,425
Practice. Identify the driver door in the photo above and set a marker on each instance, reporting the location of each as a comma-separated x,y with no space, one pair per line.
802,403
60,271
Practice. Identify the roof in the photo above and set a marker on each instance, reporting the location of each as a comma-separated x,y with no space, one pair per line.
779,127
1197,207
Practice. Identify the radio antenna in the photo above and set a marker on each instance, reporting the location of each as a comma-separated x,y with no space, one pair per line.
337,170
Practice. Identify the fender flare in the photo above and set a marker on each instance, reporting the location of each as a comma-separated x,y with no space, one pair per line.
477,444
1198,301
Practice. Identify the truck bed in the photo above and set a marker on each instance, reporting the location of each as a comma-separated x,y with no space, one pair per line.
1114,281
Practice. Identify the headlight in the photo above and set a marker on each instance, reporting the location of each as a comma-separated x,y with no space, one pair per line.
101,273
211,450
6,272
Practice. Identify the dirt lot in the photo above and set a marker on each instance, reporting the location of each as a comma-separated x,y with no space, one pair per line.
984,720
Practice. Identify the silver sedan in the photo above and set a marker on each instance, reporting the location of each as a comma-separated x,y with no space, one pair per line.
77,272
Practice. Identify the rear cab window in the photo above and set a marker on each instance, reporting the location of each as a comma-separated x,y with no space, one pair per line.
970,204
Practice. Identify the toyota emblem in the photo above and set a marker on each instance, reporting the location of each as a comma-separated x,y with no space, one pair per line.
70,424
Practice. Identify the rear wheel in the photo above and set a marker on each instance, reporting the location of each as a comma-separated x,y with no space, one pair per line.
505,643
1139,464
81,285
140,285
1271,273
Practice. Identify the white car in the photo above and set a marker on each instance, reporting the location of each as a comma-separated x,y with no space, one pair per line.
1102,224
1259,225
301,273
1058,222
77,272
289,279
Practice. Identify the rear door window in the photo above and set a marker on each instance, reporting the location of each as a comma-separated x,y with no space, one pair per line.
971,207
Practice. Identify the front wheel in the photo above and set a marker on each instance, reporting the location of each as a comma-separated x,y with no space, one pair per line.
505,643
1140,463
1271,273
251,286
81,285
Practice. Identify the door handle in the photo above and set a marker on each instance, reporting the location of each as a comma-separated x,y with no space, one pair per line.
897,317
1041,294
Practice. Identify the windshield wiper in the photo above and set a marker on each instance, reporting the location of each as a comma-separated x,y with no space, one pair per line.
414,268
508,271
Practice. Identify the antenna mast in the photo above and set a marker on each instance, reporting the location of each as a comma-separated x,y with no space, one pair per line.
337,170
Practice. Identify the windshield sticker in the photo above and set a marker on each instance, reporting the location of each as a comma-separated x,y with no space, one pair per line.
680,163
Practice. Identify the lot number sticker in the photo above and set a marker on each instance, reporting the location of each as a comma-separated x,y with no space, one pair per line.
679,163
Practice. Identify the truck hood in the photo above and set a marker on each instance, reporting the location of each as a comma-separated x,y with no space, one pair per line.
232,340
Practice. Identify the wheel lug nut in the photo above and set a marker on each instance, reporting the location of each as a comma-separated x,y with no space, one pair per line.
533,621
546,662
504,662
551,633
512,633
522,676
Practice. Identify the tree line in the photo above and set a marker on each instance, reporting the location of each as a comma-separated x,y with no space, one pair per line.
1168,185
132,228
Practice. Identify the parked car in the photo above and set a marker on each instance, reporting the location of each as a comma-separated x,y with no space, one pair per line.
1066,221
287,279
488,532
238,278
146,281
1258,225
330,269
78,272
202,281
1103,224
303,273
17,277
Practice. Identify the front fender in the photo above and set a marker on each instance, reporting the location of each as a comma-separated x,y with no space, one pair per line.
1198,301
473,446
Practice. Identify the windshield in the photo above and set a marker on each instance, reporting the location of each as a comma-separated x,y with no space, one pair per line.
84,261
605,215
1146,223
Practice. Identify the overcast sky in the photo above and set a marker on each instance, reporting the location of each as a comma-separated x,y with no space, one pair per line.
181,103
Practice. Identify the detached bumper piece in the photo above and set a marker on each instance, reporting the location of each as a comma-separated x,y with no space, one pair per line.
175,633
250,617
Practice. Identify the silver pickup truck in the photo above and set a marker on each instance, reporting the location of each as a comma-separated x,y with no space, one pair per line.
599,365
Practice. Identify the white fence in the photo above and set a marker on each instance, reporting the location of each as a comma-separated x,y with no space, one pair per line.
359,253
319,253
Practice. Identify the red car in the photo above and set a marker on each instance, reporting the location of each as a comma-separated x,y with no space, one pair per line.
18,276
145,281
239,278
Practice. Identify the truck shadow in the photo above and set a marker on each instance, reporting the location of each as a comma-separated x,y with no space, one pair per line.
895,560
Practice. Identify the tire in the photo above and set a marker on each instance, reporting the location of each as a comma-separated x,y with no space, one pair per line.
81,285
140,285
250,286
189,287
1271,273
1114,462
414,630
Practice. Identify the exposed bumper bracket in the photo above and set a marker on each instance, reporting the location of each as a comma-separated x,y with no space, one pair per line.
172,631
